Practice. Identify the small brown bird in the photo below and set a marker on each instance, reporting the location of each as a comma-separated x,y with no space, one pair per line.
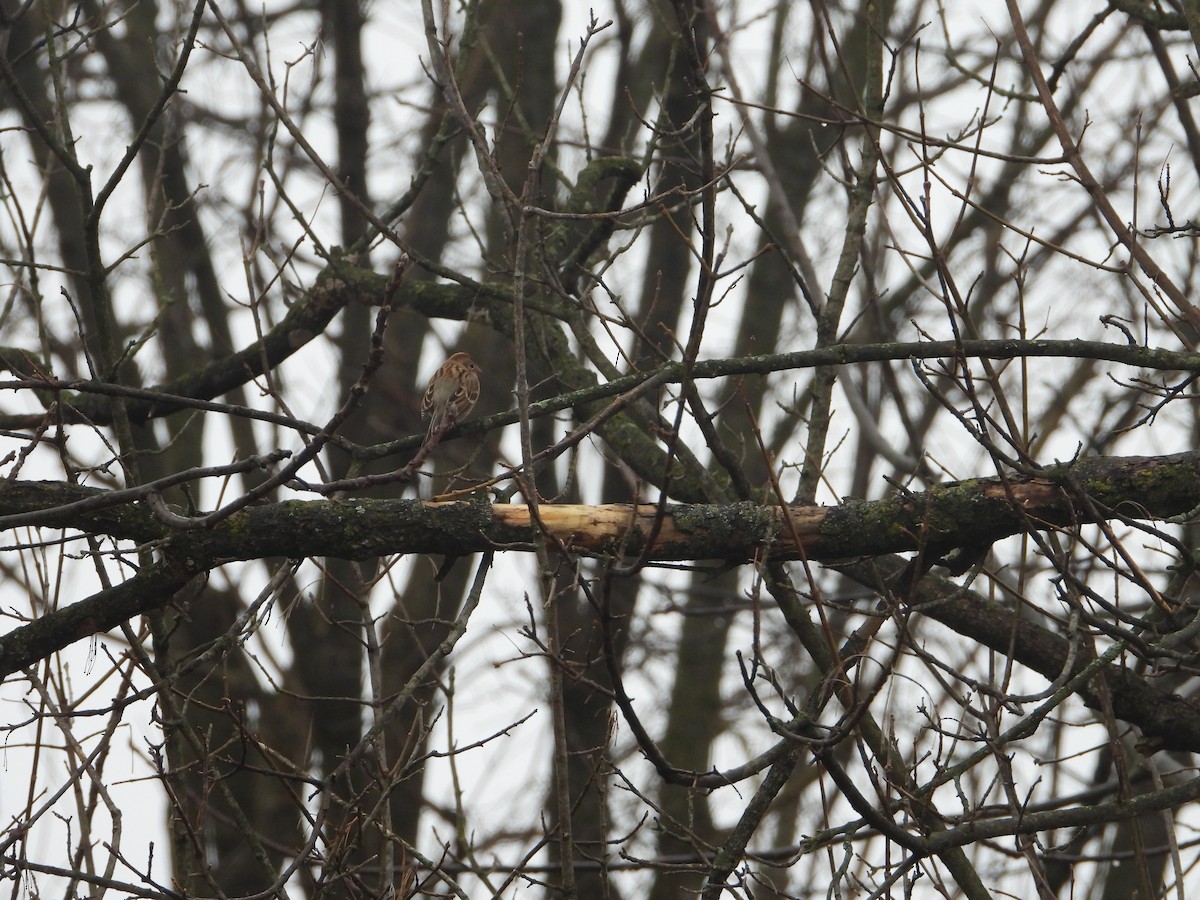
451,394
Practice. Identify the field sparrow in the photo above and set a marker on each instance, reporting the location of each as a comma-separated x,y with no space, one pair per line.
451,394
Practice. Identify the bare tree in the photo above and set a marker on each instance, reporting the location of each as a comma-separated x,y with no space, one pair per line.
826,524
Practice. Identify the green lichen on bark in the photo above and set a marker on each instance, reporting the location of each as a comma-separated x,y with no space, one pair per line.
719,528
979,511
1166,485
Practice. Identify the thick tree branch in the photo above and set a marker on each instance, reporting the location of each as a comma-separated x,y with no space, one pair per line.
970,514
